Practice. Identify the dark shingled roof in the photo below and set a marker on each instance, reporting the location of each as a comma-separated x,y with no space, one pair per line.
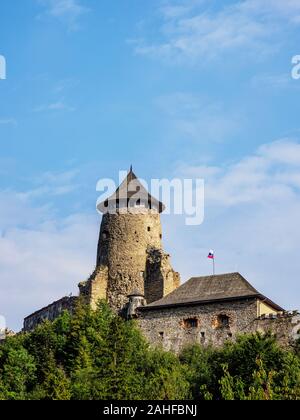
207,289
131,187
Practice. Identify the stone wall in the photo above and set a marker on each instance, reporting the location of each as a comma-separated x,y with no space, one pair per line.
286,326
177,327
95,288
160,279
127,242
50,312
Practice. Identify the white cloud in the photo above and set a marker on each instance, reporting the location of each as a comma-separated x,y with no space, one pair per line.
197,32
55,106
68,11
43,255
252,221
283,151
44,263
271,174
52,184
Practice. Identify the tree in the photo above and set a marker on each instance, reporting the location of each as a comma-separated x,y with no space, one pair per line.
17,370
92,355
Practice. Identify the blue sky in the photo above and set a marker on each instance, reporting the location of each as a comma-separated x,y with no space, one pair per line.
190,88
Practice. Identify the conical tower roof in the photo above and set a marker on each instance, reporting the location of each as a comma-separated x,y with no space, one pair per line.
131,190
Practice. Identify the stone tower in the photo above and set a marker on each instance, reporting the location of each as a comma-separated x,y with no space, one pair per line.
130,255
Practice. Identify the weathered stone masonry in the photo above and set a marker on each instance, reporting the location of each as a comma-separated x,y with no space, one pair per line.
166,326
169,327
50,312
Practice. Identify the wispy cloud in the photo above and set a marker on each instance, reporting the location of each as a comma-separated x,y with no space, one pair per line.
196,31
269,175
43,262
252,207
51,184
69,11
55,106
43,255
195,118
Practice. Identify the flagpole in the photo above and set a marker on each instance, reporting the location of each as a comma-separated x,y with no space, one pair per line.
211,255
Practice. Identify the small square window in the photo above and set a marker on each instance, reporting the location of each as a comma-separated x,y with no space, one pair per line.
190,323
223,321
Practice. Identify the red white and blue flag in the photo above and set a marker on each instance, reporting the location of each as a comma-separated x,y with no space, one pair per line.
211,255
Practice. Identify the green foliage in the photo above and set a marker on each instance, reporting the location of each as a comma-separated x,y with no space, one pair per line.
96,355
17,370
254,368
166,378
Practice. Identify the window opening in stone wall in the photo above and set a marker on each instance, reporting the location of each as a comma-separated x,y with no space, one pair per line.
105,234
161,334
149,229
223,321
190,323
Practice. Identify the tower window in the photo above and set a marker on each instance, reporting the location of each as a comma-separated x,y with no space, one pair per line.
223,321
160,236
141,274
161,334
190,323
105,235
149,229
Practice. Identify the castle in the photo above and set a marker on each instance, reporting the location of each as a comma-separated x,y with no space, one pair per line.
134,274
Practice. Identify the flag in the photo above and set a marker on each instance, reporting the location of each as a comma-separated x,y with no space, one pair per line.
211,255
